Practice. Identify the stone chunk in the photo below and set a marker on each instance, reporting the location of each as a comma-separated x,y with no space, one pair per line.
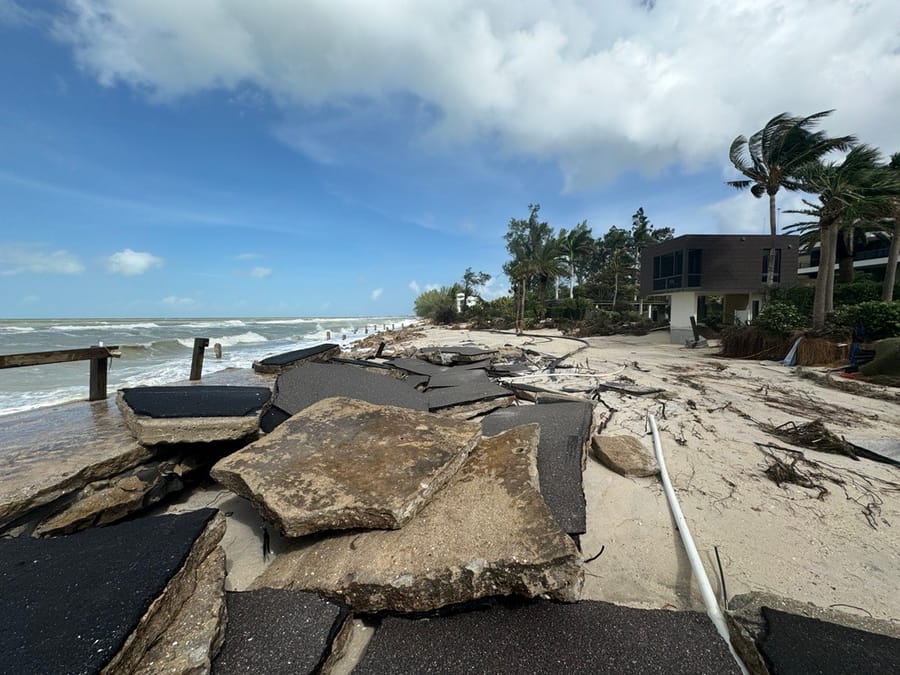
100,598
451,355
565,429
487,533
546,637
277,631
344,463
191,414
625,455
279,362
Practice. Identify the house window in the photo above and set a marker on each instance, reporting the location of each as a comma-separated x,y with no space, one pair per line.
694,267
667,271
765,265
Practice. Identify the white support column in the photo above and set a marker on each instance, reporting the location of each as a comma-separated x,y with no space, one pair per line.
683,307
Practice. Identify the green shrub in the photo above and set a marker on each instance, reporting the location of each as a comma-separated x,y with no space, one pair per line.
780,317
572,309
437,305
878,319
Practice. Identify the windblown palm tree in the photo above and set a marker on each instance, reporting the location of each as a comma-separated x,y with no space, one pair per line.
772,158
858,188
575,244
890,274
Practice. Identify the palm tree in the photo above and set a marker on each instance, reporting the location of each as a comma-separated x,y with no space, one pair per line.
772,158
890,274
857,188
577,243
546,263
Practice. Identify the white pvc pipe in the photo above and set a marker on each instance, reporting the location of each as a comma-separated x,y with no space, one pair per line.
709,597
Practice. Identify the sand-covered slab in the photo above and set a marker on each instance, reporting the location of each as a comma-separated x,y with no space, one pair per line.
453,354
565,428
101,598
547,637
278,631
487,533
191,414
50,453
343,463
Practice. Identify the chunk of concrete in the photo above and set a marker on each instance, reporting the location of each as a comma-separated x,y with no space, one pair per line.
456,354
191,414
300,387
101,598
51,453
545,637
565,429
487,533
343,463
278,631
280,362
625,455
195,636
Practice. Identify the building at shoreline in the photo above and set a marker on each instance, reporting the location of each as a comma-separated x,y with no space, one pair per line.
693,267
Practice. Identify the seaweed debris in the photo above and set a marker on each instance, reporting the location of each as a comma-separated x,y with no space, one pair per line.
812,436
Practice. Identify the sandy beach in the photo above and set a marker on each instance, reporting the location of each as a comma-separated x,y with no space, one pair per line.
840,550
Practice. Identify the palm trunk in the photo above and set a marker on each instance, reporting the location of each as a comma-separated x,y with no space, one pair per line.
890,274
571,279
845,255
773,226
615,291
829,291
825,254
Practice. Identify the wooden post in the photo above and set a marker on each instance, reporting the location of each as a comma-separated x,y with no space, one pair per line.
200,344
99,368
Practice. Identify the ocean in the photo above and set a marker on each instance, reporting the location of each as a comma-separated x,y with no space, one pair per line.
156,351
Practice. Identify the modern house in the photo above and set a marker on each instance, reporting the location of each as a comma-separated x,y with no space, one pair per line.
694,266
870,255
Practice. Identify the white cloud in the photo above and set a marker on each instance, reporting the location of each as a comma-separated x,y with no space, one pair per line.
432,287
495,287
132,263
744,214
175,301
247,256
260,272
596,87
377,293
36,259
414,287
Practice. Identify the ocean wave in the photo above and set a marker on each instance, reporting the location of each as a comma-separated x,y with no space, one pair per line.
16,329
224,323
229,340
103,325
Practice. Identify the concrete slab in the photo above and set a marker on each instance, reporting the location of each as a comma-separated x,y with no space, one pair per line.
885,450
486,533
343,463
278,362
99,598
546,637
277,631
799,645
51,453
565,428
300,387
480,390
191,414
447,355
625,455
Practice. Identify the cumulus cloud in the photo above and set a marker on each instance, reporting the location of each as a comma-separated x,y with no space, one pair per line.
743,214
36,259
596,87
377,293
175,301
260,272
414,287
132,263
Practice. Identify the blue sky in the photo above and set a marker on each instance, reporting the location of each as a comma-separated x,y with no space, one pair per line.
170,158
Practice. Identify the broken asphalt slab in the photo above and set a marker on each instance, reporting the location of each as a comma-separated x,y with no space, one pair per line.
472,392
456,354
565,428
278,362
300,387
886,450
488,532
343,463
546,637
277,631
100,598
797,645
191,414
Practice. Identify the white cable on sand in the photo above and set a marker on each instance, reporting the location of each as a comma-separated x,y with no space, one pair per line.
709,598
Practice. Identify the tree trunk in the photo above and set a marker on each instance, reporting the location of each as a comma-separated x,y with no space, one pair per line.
844,253
890,274
520,307
825,254
571,279
829,291
615,291
773,226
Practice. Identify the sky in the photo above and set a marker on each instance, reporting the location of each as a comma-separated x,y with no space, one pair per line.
338,157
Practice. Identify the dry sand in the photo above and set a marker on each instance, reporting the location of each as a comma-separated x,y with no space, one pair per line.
783,540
